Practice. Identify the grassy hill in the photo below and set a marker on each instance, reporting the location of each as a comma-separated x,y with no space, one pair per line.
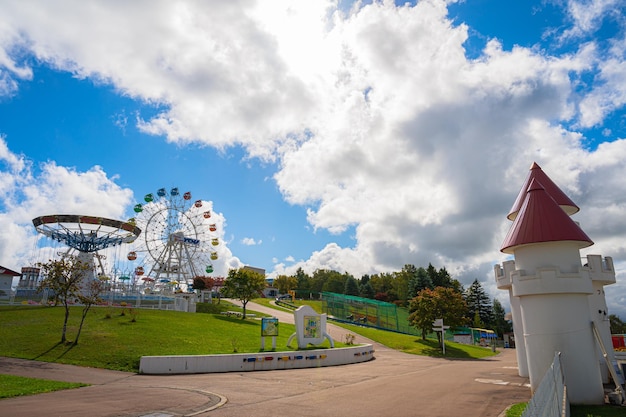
116,337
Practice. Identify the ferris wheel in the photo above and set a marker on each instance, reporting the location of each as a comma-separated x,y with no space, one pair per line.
179,240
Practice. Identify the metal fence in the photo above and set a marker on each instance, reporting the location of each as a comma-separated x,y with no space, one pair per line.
550,397
366,312
116,298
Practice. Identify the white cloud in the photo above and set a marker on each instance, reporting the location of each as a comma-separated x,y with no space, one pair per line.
587,15
610,92
377,119
27,192
248,241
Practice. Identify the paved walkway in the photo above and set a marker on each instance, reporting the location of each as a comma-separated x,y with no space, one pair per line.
394,384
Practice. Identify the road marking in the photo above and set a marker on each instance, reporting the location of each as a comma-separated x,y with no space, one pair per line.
501,382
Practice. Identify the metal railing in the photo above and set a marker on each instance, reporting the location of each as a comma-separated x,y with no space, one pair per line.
127,298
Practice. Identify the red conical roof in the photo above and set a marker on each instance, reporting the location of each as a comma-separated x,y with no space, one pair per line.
541,219
551,188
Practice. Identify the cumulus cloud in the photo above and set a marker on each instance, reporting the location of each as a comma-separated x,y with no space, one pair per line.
376,118
610,92
248,241
27,192
587,15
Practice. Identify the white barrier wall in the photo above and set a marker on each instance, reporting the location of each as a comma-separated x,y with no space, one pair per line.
199,364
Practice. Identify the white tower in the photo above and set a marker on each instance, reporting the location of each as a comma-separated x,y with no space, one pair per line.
602,273
553,289
503,273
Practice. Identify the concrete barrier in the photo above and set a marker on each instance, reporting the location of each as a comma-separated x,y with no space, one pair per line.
262,361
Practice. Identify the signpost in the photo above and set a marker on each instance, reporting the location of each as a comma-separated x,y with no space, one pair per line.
310,328
269,328
439,327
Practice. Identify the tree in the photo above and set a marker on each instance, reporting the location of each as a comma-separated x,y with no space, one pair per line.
477,322
203,283
319,278
420,282
89,296
478,303
364,280
244,285
442,278
367,291
440,303
381,283
285,283
616,324
335,283
434,275
351,286
304,283
63,277
401,282
498,321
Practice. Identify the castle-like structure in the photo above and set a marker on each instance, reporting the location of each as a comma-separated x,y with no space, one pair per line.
557,298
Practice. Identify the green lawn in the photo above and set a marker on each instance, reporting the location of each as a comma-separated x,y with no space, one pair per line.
416,346
15,386
399,341
315,304
114,341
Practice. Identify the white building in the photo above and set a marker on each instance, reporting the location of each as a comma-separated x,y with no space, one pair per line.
6,281
554,298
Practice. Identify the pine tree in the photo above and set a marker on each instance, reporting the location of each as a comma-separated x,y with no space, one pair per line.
498,320
421,282
351,286
364,279
304,283
433,275
367,291
478,303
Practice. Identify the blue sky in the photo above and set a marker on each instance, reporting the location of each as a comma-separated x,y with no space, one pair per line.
357,138
62,128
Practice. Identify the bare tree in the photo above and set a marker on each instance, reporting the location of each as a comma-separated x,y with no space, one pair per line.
88,296
63,277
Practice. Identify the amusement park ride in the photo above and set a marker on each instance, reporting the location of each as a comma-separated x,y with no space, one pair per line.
172,239
179,238
86,234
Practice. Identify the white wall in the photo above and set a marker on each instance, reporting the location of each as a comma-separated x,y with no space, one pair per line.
200,364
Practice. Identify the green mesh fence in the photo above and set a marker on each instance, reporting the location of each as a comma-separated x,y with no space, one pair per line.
367,312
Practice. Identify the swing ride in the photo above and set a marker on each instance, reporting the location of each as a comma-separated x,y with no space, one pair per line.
86,235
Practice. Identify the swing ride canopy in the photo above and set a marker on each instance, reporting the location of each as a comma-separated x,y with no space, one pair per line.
86,233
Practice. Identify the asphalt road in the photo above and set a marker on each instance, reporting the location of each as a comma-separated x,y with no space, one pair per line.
394,384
